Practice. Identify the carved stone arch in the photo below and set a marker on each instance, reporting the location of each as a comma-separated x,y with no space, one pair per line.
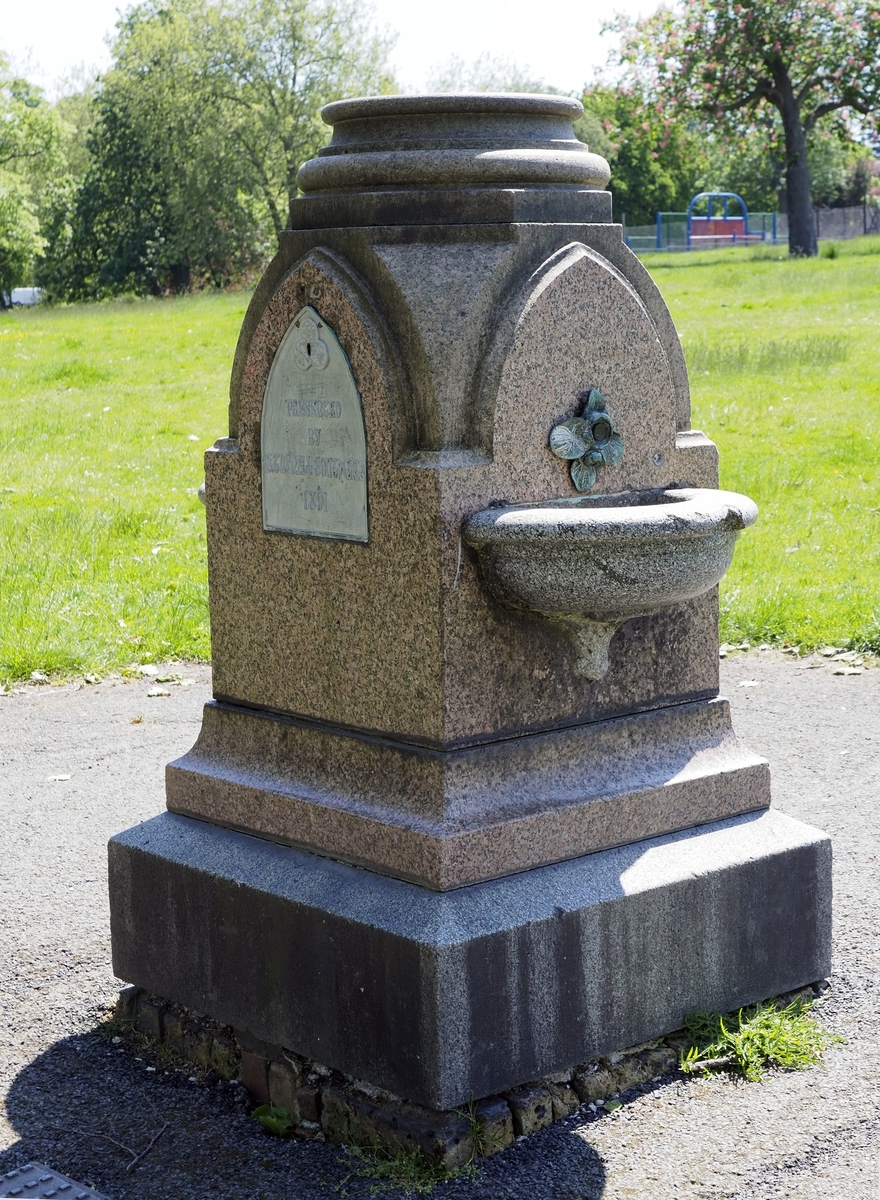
652,298
324,279
511,317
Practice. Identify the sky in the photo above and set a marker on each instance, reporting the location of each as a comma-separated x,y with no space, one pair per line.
559,44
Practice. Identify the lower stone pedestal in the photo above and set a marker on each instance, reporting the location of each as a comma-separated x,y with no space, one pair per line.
440,997
447,819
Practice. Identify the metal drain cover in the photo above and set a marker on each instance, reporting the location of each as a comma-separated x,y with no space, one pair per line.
40,1181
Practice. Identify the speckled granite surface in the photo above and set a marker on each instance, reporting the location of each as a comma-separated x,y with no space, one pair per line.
439,996
468,344
399,637
447,819
378,706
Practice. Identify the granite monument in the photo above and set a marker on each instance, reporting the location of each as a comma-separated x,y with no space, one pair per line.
467,807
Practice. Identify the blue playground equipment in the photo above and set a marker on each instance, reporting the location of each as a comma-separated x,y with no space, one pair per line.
719,227
725,226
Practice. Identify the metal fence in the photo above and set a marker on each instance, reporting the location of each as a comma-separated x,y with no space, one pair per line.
846,222
670,231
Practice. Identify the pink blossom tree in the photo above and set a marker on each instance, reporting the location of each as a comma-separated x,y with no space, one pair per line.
724,59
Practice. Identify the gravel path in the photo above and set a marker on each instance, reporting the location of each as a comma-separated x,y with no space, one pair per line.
802,1135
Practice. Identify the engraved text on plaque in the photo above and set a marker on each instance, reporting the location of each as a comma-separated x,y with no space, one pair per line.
314,449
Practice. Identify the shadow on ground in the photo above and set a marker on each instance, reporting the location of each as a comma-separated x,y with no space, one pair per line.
85,1108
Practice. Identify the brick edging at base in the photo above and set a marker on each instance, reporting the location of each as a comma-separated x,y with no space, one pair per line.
326,1104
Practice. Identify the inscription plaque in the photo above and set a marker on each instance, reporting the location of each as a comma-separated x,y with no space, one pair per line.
313,441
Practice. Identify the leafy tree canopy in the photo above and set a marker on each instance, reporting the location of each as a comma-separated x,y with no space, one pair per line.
753,164
198,132
29,147
655,161
28,128
20,239
270,65
725,60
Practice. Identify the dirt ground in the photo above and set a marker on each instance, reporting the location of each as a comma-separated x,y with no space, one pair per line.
81,763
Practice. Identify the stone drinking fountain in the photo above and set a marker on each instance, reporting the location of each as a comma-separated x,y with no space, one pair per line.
467,808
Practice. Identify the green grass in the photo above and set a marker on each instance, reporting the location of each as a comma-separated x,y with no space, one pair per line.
105,412
407,1170
106,409
784,357
755,1038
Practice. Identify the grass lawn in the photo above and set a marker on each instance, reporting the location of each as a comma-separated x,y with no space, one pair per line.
784,359
106,409
105,412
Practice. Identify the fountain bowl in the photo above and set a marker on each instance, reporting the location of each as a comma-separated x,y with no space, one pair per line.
590,563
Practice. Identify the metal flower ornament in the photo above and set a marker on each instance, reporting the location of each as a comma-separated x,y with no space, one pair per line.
588,442
310,350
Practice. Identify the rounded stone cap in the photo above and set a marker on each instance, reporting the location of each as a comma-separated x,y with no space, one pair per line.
452,102
482,139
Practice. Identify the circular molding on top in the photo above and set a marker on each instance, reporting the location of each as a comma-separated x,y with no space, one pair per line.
527,103
481,139
454,168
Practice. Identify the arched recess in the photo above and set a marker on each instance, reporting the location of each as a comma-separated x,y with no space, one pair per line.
639,277
489,371
294,286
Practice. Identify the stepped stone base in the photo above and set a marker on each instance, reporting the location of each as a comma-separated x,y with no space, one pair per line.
437,997
451,818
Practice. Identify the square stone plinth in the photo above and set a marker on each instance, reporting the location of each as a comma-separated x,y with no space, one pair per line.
437,997
467,344
449,819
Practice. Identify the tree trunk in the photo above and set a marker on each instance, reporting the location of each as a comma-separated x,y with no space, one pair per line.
180,276
801,229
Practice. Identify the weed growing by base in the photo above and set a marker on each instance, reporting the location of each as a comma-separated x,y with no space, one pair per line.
755,1038
405,1169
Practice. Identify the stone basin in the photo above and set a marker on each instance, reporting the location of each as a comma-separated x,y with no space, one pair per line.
590,563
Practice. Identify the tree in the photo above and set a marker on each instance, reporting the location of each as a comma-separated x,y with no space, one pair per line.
165,200
151,215
655,161
725,60
19,237
198,132
753,164
28,128
271,65
862,182
839,167
75,110
29,140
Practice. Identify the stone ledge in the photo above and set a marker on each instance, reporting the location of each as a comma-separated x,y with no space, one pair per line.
453,206
453,818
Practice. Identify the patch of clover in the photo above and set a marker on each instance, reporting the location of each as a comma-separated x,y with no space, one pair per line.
588,442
